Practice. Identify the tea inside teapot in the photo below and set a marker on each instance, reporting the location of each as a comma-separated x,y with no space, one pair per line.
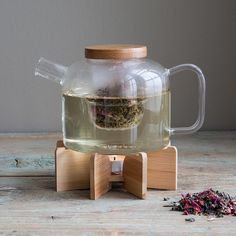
117,122
116,101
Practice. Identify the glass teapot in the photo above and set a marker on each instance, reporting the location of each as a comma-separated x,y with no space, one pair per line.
116,101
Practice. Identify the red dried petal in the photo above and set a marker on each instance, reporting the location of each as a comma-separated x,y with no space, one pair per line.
207,202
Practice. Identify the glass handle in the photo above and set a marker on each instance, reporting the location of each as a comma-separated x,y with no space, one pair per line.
201,99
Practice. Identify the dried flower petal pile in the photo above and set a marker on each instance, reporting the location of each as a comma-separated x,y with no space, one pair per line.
208,202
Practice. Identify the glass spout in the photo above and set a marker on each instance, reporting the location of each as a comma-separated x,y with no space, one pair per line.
50,70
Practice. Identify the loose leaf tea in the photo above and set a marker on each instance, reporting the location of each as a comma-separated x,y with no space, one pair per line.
208,202
84,132
190,219
115,112
109,110
166,198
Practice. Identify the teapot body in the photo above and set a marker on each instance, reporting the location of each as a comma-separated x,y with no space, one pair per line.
116,106
115,101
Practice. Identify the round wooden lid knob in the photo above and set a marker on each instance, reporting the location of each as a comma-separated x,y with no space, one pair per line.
116,51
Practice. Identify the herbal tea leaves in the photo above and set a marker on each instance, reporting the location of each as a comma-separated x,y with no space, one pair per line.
208,202
115,112
190,219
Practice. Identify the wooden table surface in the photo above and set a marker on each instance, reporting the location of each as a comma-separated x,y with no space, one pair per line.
29,204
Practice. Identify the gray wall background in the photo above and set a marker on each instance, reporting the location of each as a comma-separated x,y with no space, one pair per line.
197,31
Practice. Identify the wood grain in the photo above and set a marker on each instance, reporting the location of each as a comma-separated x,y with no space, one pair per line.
135,174
33,154
69,176
77,170
25,154
100,171
30,205
115,51
162,169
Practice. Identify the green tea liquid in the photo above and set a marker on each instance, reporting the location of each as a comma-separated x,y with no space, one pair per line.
116,125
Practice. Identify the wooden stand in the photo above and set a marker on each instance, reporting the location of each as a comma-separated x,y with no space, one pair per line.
76,170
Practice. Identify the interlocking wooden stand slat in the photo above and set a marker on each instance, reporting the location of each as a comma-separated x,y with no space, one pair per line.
76,170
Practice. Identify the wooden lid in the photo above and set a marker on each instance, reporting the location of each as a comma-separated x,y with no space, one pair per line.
116,51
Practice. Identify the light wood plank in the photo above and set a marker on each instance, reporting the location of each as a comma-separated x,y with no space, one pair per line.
116,178
35,152
28,154
135,174
30,206
162,169
100,171
72,169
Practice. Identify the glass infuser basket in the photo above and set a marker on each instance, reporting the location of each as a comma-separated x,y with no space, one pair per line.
116,101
